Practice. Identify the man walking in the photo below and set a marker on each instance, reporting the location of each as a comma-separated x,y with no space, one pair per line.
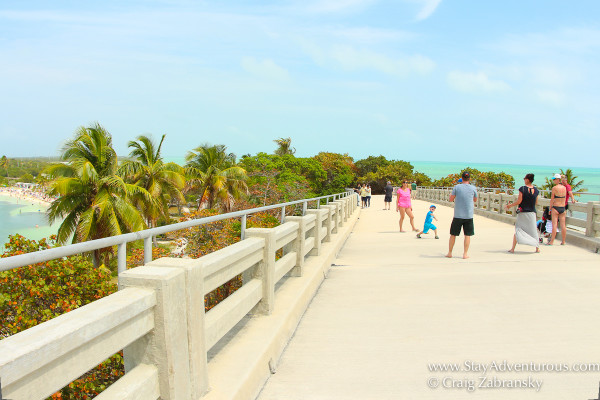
464,196
389,191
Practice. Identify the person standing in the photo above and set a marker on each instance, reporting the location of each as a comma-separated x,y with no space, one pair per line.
404,206
389,191
464,195
413,190
557,208
368,195
526,227
565,182
363,195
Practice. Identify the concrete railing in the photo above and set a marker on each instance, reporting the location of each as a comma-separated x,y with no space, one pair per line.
586,230
146,235
158,316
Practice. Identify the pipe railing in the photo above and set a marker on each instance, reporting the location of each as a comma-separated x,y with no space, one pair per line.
510,190
146,235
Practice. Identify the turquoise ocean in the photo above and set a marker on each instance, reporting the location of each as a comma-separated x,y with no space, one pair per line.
23,217
20,216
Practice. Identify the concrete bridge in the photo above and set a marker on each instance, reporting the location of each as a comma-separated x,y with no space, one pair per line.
350,308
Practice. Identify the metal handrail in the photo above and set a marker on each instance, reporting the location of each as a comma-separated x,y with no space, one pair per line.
488,189
121,241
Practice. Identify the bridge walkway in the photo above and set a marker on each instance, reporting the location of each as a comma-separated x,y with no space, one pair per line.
393,304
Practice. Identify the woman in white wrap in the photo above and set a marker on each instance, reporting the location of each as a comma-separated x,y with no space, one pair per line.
525,228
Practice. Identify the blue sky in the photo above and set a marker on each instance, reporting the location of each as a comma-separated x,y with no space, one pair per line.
444,80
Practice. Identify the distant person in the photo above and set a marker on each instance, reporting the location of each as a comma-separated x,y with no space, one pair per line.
368,195
565,182
464,196
363,195
429,223
413,190
557,207
389,191
404,206
526,231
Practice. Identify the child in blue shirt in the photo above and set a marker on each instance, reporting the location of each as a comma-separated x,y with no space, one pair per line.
428,223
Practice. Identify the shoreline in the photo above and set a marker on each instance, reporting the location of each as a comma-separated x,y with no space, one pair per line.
25,197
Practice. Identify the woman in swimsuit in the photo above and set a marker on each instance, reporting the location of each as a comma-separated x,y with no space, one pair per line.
404,206
557,207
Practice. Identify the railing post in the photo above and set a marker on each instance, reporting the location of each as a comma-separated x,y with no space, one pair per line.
304,207
332,223
166,346
147,250
243,228
589,225
500,204
299,244
282,214
194,294
122,257
265,270
320,215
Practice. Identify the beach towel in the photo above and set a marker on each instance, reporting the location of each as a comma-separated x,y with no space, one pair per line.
526,229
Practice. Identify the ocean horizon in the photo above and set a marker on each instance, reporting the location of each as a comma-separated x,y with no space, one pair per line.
23,217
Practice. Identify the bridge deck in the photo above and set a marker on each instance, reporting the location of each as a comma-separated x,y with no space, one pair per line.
394,303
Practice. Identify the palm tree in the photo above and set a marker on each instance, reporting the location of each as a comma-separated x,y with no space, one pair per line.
213,174
93,200
284,146
163,181
571,180
4,164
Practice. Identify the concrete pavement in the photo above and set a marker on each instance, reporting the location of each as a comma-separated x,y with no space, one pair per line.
393,304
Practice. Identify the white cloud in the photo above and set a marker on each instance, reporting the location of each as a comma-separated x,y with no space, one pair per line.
369,35
352,59
475,82
266,69
429,7
335,6
550,97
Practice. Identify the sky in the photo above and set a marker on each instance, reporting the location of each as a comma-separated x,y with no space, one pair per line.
507,81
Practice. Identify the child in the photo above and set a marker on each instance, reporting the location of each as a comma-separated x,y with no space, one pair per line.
428,223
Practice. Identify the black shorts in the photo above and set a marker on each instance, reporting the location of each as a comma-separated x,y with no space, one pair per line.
567,206
388,199
466,225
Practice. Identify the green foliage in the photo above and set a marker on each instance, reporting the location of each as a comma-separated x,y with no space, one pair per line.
163,181
37,293
28,178
571,180
340,170
93,200
479,178
376,171
276,178
371,164
284,146
214,175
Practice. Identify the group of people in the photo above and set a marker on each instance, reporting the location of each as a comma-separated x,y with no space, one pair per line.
464,195
364,192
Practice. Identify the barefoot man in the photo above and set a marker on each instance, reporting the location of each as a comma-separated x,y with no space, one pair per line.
464,196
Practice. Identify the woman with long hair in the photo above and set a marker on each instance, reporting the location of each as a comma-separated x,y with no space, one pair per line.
557,208
404,206
526,226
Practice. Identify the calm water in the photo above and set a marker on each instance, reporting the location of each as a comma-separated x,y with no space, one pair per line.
590,176
22,218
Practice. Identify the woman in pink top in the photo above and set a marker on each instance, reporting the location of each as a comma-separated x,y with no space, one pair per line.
404,206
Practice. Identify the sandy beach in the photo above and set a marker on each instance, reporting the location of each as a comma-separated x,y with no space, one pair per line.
24,196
